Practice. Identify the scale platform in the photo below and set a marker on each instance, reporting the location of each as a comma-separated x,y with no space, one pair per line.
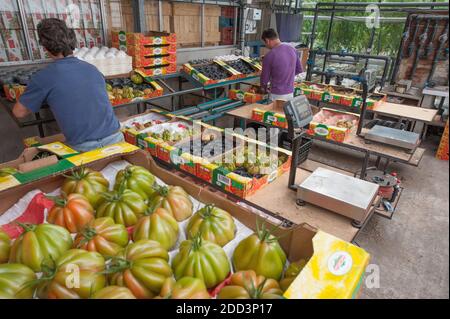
339,193
391,136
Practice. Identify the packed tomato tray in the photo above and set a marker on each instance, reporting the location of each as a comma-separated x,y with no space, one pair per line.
128,235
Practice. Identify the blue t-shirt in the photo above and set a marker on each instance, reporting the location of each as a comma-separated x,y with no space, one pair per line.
76,93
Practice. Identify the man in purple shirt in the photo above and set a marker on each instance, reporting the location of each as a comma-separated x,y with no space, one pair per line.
280,66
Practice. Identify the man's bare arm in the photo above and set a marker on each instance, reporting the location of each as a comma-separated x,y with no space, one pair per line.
19,110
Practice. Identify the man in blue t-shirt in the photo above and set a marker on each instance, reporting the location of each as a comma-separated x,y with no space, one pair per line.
74,90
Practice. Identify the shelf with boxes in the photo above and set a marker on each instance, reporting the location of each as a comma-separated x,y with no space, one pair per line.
339,95
154,53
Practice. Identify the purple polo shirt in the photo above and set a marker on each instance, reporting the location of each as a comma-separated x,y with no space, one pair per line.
280,66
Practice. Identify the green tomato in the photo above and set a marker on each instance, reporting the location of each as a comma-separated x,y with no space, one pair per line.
142,267
124,206
158,225
213,224
76,274
13,281
137,179
40,245
203,260
89,183
262,253
5,246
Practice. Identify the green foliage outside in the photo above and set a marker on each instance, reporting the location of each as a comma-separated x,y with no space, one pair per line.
355,36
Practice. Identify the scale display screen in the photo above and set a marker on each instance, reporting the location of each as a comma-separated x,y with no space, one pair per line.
298,112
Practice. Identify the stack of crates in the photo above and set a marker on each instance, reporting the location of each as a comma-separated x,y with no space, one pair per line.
154,53
226,24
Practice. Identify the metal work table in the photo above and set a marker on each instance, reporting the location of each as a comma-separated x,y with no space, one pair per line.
354,142
37,119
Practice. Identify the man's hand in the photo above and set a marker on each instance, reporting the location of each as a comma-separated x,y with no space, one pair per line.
20,111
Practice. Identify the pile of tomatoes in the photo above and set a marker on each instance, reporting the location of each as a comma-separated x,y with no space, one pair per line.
115,244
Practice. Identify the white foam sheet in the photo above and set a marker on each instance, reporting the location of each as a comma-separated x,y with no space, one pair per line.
110,172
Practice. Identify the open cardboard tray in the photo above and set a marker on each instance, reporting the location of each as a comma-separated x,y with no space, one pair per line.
272,114
157,90
297,241
133,135
165,150
257,68
200,166
196,75
245,187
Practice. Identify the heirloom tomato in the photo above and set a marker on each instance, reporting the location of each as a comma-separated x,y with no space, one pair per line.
142,267
158,225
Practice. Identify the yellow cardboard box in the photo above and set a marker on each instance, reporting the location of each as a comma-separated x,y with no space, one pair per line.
335,271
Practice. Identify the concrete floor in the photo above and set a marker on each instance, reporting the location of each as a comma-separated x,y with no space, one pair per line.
411,250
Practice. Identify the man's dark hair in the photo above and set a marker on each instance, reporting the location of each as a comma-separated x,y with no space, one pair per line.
269,34
56,37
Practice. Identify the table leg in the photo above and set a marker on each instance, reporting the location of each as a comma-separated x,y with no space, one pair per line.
377,163
242,124
364,166
40,125
388,161
424,131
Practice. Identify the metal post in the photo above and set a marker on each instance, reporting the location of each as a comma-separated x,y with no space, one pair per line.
363,107
160,16
202,25
104,21
313,31
23,19
242,31
139,15
327,44
235,25
372,39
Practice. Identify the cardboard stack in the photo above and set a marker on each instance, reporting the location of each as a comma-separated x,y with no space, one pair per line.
154,53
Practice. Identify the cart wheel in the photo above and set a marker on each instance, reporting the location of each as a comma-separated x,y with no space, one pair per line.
300,202
357,224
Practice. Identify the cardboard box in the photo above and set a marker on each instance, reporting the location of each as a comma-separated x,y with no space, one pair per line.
65,161
338,95
272,114
145,61
200,164
297,241
244,187
318,127
147,38
133,135
190,70
247,97
36,141
157,90
157,70
31,168
143,50
334,271
173,152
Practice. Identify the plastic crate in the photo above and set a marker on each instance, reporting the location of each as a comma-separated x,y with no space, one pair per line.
226,35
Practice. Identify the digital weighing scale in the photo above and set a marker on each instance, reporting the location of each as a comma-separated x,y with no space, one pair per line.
339,193
394,137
